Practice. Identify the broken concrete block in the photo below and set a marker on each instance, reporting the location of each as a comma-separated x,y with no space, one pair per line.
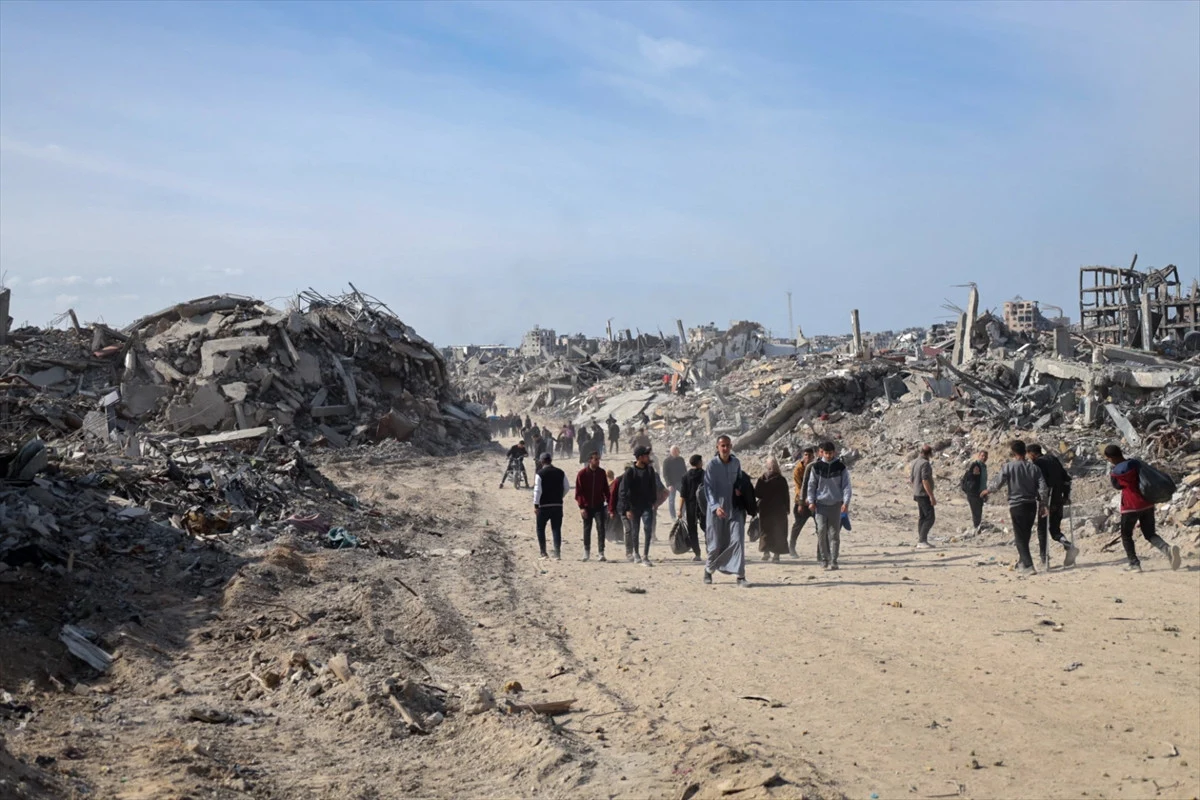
140,399
394,425
212,351
48,377
236,392
205,412
308,368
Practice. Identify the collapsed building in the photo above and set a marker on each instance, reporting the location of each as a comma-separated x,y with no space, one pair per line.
1126,307
202,418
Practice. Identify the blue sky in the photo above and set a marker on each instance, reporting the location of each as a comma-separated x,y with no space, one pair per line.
483,167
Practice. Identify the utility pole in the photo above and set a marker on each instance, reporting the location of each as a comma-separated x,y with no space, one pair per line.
791,324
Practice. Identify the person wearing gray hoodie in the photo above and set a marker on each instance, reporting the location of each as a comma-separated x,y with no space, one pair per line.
1028,495
725,530
828,498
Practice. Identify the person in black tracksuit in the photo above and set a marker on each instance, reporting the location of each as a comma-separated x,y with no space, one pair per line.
640,490
549,488
1059,481
689,509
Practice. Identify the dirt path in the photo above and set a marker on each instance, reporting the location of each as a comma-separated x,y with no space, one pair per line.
906,674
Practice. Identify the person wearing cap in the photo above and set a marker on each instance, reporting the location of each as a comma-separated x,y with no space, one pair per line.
549,488
641,493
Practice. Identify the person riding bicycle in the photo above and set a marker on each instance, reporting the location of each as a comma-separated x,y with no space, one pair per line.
516,464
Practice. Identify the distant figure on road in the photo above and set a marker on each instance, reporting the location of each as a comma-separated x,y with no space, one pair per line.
598,438
773,495
586,445
920,474
673,470
1059,482
614,435
1136,510
549,488
1027,492
828,498
725,529
974,485
641,439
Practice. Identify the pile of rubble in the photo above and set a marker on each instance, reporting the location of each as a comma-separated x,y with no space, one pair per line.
331,371
199,423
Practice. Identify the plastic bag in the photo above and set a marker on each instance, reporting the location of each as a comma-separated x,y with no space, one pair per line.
1155,486
679,538
753,530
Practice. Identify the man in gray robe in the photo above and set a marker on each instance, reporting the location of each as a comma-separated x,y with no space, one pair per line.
726,528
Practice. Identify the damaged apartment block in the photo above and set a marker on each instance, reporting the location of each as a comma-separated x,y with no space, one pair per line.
1135,309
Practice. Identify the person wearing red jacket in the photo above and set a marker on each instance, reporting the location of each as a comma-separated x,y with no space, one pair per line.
592,496
1136,510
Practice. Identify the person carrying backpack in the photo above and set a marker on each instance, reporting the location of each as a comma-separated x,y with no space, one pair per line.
1136,510
974,485
1059,481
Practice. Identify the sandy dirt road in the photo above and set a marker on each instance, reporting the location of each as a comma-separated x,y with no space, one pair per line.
915,674
907,673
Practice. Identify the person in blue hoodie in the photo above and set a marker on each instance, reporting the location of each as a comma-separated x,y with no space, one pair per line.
725,529
829,496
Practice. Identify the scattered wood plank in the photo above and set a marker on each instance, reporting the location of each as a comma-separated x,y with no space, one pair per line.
406,715
550,708
79,646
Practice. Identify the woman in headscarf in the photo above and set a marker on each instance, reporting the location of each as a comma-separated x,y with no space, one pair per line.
773,500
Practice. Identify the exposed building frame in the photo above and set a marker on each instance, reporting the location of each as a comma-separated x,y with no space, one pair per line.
1111,300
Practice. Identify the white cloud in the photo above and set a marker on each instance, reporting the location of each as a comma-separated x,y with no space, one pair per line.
66,299
668,54
67,280
107,280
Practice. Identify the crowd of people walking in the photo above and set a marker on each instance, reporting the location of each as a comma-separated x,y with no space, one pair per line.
717,502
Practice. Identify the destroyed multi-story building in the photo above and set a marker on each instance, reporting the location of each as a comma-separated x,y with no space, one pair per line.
1127,307
1025,316
539,343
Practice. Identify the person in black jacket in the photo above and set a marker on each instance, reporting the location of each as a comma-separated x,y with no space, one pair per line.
974,482
1059,481
549,488
641,492
689,508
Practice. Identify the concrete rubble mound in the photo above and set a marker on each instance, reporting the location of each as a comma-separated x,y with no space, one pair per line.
204,422
330,370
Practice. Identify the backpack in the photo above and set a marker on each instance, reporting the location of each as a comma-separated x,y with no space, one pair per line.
1155,486
969,481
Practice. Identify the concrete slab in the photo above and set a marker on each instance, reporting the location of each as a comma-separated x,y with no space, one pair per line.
211,351
624,407
141,398
308,368
49,377
205,411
